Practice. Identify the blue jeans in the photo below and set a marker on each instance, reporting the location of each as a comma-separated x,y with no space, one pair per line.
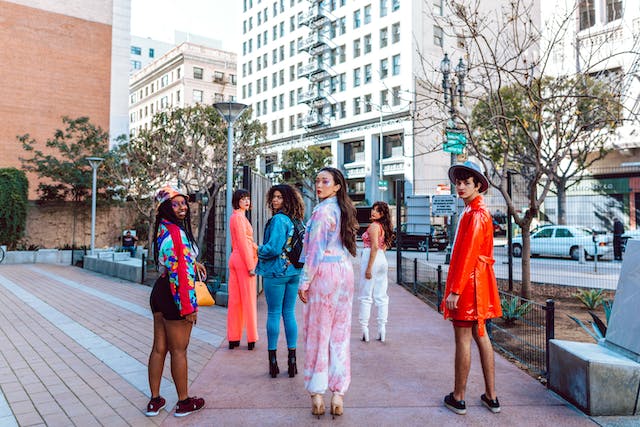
281,294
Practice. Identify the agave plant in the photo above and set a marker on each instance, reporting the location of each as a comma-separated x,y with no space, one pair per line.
598,328
513,309
592,298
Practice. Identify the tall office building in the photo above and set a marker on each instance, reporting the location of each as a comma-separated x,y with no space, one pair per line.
186,75
61,59
343,75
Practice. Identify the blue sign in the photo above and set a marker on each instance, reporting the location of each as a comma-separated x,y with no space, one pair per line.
456,141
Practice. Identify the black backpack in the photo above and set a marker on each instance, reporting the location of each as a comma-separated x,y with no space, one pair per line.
294,252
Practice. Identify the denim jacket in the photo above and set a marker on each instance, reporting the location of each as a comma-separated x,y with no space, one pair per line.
272,260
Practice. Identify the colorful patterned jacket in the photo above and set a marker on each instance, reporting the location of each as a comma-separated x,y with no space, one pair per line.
178,258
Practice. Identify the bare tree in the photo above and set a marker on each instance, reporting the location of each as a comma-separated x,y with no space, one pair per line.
544,129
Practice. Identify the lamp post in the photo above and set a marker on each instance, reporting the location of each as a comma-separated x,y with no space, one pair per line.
95,163
230,111
449,98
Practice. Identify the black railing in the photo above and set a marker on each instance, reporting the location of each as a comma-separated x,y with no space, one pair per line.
523,336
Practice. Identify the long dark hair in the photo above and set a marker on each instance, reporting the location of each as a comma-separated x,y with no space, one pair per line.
292,204
348,221
165,211
385,222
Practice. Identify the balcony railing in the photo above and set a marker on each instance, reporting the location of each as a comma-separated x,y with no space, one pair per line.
312,120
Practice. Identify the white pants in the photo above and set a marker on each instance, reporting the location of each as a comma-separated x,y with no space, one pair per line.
373,290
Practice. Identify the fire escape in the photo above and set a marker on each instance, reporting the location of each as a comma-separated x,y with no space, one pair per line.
318,46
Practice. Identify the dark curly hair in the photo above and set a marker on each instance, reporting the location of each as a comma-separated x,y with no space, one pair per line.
165,211
292,204
348,221
385,222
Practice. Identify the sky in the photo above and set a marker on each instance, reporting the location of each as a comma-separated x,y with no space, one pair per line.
216,19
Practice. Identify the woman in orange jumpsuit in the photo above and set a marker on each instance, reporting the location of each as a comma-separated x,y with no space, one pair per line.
241,310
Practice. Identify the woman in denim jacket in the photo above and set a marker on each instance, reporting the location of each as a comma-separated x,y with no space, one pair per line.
280,275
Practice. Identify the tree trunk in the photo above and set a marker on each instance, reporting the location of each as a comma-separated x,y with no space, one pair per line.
151,235
561,201
525,290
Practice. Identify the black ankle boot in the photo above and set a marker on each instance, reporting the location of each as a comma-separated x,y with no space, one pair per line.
251,345
233,344
273,364
293,368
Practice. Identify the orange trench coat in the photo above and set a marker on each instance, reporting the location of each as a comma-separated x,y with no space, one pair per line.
471,272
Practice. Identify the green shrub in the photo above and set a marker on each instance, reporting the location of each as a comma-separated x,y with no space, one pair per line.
513,309
13,205
592,298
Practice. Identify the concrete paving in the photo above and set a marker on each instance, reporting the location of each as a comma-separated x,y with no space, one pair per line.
74,347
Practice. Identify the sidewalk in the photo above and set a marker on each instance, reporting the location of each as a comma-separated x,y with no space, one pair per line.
74,348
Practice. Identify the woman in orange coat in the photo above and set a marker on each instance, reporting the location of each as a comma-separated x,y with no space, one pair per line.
241,310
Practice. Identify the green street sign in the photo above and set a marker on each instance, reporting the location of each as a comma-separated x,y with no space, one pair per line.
382,184
456,141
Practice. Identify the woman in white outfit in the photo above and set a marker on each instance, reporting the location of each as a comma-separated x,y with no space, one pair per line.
374,269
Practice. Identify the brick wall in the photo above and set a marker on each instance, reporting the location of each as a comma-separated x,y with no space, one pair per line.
52,65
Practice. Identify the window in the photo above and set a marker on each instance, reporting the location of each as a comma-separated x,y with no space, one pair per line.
282,29
392,146
218,76
197,95
383,8
384,36
164,101
367,14
384,68
281,125
177,77
281,52
292,123
197,73
274,104
218,97
292,98
258,85
395,95
395,33
343,82
351,149
356,19
356,48
136,65
281,101
587,13
135,50
367,43
343,109
367,74
274,56
274,79
164,80
281,77
367,103
356,77
437,7
232,79
273,127
250,89
152,53
292,48
342,24
395,5
614,10
343,54
395,65
384,97
438,36
292,73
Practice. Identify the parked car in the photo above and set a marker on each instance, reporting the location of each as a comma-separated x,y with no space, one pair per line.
436,239
565,241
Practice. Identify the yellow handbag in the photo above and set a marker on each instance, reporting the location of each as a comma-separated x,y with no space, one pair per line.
203,295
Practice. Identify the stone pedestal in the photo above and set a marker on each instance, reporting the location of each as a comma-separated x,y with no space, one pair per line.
595,379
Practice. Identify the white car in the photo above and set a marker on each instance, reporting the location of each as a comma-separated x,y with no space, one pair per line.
565,241
628,235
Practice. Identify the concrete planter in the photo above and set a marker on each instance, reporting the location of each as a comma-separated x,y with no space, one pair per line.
20,257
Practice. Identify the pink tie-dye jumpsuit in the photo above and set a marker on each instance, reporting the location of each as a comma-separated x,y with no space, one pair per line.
328,276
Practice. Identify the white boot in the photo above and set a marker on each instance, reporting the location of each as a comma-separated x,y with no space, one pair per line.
382,333
365,333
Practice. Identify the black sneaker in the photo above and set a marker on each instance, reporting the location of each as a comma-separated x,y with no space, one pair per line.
457,406
155,405
492,405
189,406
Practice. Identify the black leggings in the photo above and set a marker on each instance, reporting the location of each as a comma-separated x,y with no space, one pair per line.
161,300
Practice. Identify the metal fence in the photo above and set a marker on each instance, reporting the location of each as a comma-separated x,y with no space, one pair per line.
522,334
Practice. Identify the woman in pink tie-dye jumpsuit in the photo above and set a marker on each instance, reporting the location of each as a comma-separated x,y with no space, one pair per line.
326,288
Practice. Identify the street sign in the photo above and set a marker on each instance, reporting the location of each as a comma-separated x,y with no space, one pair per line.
443,205
456,141
382,184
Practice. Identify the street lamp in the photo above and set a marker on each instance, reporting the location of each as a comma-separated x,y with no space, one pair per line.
95,163
449,98
229,111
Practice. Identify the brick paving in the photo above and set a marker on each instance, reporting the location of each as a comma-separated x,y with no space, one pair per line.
74,347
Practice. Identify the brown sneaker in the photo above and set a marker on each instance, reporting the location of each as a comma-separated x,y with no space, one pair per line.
155,405
188,406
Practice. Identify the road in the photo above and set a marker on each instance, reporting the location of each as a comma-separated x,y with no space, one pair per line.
557,271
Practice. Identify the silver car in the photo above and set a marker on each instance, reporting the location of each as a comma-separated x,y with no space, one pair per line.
565,241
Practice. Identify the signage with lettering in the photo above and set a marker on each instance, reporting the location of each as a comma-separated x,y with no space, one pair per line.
443,205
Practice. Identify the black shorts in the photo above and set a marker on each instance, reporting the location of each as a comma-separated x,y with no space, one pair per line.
161,300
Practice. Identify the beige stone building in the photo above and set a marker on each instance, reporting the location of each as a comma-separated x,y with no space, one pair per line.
186,75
